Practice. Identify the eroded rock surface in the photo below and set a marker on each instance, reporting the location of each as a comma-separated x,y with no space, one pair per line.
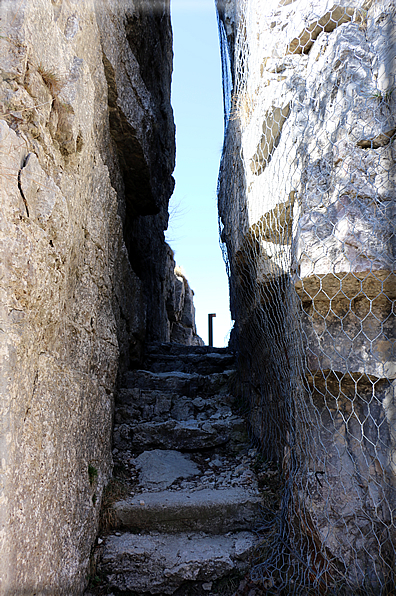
180,308
307,203
160,468
164,563
86,157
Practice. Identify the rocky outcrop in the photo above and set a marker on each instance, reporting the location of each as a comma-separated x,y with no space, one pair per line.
86,156
307,205
180,306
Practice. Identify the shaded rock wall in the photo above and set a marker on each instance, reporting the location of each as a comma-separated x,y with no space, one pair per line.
136,43
307,204
86,156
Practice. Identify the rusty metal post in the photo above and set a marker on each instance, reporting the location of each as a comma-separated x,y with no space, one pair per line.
210,324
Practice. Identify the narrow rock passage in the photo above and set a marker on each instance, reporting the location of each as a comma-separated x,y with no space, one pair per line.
189,499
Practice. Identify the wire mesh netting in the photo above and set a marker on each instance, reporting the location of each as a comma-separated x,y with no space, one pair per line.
307,223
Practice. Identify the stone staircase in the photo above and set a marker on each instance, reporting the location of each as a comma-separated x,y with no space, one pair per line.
190,497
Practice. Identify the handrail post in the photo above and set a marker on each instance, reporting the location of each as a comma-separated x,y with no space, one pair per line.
210,325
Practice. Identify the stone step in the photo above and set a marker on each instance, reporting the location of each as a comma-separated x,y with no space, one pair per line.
186,464
149,405
188,435
204,364
209,510
175,349
160,564
161,469
182,383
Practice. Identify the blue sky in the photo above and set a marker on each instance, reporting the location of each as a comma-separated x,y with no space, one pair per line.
198,110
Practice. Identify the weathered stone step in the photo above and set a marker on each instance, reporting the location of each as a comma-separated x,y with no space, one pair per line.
188,435
160,564
187,384
209,510
149,405
175,349
185,462
159,469
204,364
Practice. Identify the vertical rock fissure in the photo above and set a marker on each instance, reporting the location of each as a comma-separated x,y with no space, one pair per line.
21,191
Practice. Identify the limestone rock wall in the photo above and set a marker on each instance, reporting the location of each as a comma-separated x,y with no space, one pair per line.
86,156
136,41
180,306
307,208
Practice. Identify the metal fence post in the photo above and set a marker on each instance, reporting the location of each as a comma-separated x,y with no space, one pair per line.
210,324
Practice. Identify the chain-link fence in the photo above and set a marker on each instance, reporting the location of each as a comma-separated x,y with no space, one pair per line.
307,222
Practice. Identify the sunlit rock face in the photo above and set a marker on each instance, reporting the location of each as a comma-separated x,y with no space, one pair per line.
86,156
180,306
307,215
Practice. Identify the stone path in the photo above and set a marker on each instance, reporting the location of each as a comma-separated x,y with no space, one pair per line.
189,493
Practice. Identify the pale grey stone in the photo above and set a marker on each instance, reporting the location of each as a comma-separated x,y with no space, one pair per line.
208,510
161,564
159,468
